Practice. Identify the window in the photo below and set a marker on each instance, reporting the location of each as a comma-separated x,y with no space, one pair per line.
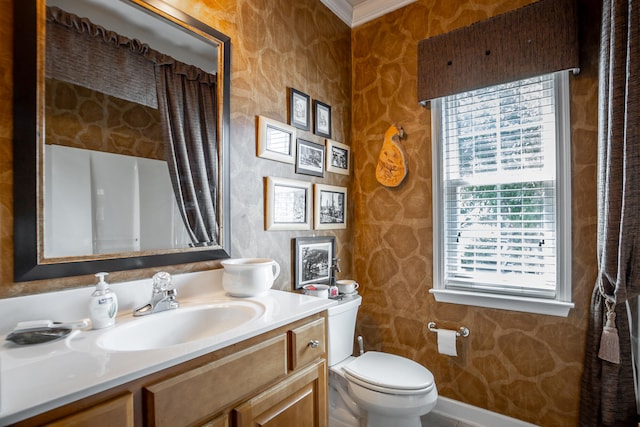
502,211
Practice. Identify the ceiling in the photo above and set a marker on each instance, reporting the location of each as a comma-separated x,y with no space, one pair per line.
357,12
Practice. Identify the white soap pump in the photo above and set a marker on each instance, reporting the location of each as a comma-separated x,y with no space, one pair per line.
103,305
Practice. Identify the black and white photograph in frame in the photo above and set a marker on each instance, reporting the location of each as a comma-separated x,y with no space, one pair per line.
276,140
322,119
338,157
330,207
288,204
312,260
299,109
310,158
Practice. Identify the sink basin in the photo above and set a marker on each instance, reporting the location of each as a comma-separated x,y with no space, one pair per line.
180,326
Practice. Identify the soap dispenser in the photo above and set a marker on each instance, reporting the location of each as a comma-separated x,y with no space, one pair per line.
103,305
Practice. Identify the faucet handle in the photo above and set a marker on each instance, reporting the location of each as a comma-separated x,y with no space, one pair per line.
161,281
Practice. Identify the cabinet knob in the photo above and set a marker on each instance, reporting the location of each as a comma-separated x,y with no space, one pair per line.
313,344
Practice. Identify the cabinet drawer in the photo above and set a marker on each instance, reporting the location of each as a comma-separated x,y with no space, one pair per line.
306,344
198,394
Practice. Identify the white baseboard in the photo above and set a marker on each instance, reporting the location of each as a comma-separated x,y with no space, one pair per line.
475,416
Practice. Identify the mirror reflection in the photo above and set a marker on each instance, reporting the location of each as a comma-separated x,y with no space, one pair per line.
135,122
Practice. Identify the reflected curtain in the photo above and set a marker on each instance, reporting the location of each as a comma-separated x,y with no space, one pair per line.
608,394
187,100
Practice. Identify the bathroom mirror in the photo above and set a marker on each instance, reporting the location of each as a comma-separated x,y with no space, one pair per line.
68,235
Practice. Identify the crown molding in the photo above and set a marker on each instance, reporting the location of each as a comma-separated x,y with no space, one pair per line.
364,11
341,8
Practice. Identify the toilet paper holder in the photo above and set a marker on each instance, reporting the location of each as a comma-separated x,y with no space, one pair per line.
462,332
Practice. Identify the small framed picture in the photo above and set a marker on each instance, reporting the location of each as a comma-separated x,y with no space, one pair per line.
288,204
330,207
312,259
299,109
338,157
310,158
322,119
276,141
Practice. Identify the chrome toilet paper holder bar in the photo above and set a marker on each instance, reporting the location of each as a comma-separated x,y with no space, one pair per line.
462,332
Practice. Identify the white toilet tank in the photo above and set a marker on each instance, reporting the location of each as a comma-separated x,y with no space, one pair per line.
342,327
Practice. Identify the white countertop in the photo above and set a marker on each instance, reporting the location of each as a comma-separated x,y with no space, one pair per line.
37,378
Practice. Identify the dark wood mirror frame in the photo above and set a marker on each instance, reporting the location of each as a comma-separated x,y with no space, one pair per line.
28,128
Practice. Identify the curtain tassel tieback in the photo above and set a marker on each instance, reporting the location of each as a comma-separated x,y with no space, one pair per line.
609,342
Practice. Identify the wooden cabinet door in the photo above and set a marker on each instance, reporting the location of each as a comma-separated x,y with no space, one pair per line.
299,400
114,412
221,421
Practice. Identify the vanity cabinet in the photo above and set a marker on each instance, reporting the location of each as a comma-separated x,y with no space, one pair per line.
277,379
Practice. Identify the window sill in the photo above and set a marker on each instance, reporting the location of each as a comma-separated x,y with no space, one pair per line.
504,302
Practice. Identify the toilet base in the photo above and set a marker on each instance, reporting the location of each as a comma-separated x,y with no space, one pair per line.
378,420
339,418
343,411
384,410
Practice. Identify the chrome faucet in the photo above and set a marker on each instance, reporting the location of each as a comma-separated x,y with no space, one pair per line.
162,297
334,269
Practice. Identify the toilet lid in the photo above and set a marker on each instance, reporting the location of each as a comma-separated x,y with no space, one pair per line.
387,372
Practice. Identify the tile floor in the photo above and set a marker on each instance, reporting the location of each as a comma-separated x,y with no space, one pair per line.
433,419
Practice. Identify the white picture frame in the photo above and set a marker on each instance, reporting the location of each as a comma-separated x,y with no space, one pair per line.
287,204
338,157
276,140
330,207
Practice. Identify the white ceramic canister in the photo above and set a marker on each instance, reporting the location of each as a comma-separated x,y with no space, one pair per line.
249,277
320,291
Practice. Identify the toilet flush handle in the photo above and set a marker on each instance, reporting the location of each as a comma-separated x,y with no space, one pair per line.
313,343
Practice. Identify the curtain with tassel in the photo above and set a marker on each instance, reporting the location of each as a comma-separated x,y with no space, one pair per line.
608,392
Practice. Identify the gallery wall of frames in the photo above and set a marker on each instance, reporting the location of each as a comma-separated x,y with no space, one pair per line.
292,204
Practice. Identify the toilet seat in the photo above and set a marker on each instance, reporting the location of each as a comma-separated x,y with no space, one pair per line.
388,373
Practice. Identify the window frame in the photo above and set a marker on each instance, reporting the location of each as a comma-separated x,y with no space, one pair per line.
562,303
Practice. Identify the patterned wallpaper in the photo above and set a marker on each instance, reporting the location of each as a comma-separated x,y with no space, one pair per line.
522,365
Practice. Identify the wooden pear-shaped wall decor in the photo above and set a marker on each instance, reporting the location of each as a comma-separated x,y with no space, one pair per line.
392,164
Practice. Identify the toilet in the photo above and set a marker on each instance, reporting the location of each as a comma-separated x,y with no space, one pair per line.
374,389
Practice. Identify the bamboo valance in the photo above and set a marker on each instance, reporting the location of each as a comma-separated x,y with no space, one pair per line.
536,39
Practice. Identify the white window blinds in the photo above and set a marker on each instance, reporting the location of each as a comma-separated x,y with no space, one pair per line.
499,188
